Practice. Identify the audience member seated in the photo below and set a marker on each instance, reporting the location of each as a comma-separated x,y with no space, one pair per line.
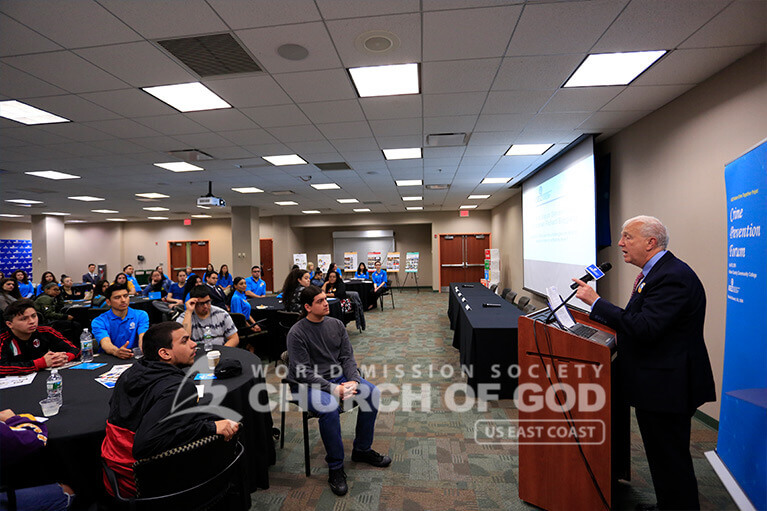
176,291
156,285
91,277
166,280
20,437
318,279
121,279
310,269
27,347
120,329
318,350
47,277
26,288
68,292
295,282
192,281
144,418
362,272
200,316
217,294
333,267
379,279
190,272
128,270
9,292
208,269
256,285
99,293
240,304
334,287
49,305
225,279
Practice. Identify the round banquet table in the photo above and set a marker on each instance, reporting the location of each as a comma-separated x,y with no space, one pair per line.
365,289
73,453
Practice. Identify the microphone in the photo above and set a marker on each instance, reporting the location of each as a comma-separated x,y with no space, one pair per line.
591,271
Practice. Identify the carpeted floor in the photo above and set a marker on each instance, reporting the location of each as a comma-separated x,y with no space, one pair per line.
437,464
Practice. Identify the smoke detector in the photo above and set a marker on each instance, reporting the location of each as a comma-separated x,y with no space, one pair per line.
377,42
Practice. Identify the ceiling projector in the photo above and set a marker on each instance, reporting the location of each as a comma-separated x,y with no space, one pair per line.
210,200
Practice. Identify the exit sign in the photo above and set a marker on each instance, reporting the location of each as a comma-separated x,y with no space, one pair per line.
187,221
463,212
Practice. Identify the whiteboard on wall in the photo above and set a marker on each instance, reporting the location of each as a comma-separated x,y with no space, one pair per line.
361,242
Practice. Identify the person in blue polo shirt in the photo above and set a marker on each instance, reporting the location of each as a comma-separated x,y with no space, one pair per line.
121,328
379,279
256,286
128,270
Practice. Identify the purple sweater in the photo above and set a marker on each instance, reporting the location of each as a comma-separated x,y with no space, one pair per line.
20,436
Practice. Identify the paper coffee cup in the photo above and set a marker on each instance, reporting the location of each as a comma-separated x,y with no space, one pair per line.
213,358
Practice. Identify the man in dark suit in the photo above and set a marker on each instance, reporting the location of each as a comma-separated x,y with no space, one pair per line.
91,276
664,367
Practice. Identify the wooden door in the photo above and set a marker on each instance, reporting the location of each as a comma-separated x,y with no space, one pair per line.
451,259
475,245
188,253
200,256
266,246
177,250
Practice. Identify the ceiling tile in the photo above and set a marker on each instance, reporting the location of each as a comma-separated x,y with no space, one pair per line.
16,39
442,30
272,116
247,91
341,130
396,141
202,141
334,9
516,101
356,144
315,146
262,13
392,107
449,124
123,128
333,111
249,137
129,102
562,27
19,85
611,120
461,103
586,99
502,122
220,120
536,73
162,144
171,124
66,70
74,108
296,133
395,127
406,28
459,75
691,66
162,20
309,86
750,16
493,138
650,97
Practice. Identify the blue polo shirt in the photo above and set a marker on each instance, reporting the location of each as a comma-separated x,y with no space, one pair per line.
136,285
27,290
257,287
119,330
225,281
379,277
176,291
240,304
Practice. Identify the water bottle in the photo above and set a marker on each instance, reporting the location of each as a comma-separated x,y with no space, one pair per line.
86,346
207,339
55,385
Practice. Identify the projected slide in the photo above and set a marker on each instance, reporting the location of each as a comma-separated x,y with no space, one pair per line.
559,221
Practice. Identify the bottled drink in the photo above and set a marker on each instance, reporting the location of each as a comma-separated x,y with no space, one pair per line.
207,339
86,346
54,385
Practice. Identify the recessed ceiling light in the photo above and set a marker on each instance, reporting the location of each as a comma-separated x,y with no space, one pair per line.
9,215
412,198
188,97
469,206
612,68
402,154
248,189
26,114
56,213
201,216
179,166
24,201
155,208
311,212
414,208
478,197
157,218
528,149
495,180
152,195
286,203
362,210
385,80
116,220
347,201
74,221
409,182
285,159
52,174
86,198
326,186
105,211
437,187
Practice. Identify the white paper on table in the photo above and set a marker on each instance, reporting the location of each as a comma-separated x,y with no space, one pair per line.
40,419
200,391
16,381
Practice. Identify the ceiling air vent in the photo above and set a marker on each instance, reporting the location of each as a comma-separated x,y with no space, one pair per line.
372,202
337,165
437,187
211,55
282,192
191,155
446,139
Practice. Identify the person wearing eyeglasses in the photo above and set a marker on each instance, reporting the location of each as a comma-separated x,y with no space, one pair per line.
200,315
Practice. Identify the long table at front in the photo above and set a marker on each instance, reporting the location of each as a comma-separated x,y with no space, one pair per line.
76,432
485,336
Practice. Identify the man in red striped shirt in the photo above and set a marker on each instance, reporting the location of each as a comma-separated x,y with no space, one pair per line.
27,347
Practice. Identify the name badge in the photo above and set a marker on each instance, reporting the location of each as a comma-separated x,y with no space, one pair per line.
640,287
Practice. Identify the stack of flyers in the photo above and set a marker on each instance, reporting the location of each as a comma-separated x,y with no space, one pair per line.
109,378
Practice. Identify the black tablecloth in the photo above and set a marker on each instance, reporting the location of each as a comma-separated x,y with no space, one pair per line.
485,336
76,433
365,290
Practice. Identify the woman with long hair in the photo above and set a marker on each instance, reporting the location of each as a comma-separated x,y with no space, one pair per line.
67,291
191,281
295,282
26,288
99,290
208,270
9,292
225,279
240,303
334,287
333,267
48,276
362,272
122,279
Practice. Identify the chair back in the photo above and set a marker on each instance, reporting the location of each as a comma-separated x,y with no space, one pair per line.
493,287
510,297
164,309
523,301
286,320
240,321
505,292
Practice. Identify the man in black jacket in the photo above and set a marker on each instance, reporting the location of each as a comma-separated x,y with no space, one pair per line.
144,417
662,358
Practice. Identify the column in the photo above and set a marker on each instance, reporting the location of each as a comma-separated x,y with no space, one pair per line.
245,239
47,245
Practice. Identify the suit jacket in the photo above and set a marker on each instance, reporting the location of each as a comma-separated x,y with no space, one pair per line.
87,277
662,358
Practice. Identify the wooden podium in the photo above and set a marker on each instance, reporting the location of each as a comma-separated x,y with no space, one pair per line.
552,471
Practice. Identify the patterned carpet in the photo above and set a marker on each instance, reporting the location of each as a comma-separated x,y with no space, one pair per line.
436,463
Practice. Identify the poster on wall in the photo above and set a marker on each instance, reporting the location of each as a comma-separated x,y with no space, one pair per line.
411,262
392,261
372,258
16,255
323,262
350,261
300,260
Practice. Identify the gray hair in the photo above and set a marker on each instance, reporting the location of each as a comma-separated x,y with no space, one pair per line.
651,228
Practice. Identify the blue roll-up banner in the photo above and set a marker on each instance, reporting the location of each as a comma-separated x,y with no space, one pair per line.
742,442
